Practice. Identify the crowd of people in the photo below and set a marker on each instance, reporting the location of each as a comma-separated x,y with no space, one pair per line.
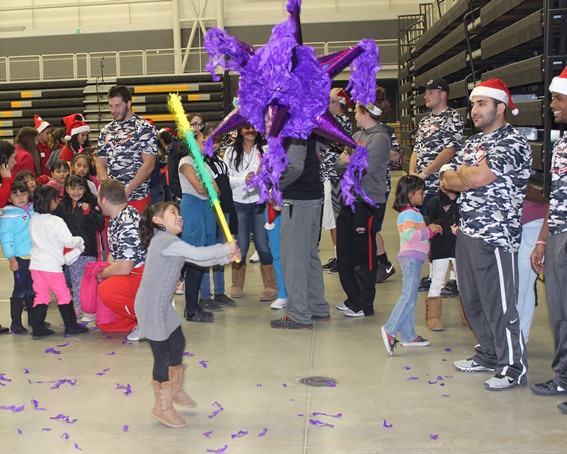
114,230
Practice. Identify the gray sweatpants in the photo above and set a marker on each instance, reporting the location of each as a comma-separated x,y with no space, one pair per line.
303,275
556,288
488,286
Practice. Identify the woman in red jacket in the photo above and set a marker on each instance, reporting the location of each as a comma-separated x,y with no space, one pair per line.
27,155
77,140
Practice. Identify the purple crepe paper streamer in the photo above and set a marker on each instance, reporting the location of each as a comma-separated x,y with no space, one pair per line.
412,378
36,405
338,415
433,436
300,414
352,179
13,408
264,432
330,384
52,350
274,162
104,371
258,385
188,354
387,425
407,367
239,434
284,385
125,428
225,51
448,349
65,436
217,411
77,447
316,422
111,353
62,381
208,434
219,451
445,395
204,364
127,388
63,345
20,431
61,416
3,378
26,371
46,429
293,6
362,84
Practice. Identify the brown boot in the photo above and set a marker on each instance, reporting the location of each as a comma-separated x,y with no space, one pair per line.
180,397
462,312
238,277
433,313
163,409
270,292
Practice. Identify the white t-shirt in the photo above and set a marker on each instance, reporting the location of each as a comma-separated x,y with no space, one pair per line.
250,163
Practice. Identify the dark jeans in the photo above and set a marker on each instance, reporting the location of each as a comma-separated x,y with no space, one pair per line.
251,220
167,353
23,285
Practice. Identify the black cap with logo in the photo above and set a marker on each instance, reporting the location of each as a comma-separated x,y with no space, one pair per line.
436,84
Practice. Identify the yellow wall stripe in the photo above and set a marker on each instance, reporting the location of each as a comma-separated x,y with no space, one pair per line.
162,88
16,104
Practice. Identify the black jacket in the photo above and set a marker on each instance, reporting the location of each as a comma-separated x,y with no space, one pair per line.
445,212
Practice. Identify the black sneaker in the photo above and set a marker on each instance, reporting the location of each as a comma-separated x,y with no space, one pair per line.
451,290
334,269
330,264
424,284
200,316
224,300
549,388
209,304
288,323
384,272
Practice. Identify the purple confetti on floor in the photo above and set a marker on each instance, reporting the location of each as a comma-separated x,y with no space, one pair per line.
108,337
407,367
216,412
36,405
4,378
258,385
62,417
125,428
240,433
432,382
448,376
219,451
127,389
46,429
387,425
203,363
188,354
300,414
52,350
111,353
330,384
26,371
445,395
412,378
63,345
284,385
433,436
104,371
62,381
20,431
264,432
77,447
65,436
448,349
316,422
208,434
338,415
13,408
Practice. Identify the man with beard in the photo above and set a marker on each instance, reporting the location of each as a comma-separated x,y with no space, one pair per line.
127,148
492,173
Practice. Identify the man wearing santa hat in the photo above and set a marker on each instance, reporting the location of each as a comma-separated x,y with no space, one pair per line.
43,129
551,243
127,148
492,173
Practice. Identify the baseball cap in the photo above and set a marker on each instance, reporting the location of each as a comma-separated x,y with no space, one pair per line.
436,84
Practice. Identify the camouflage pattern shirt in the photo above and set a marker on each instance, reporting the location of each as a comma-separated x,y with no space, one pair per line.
435,133
558,197
122,144
330,154
493,212
124,237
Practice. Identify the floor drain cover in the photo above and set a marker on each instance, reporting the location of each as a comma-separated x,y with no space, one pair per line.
318,381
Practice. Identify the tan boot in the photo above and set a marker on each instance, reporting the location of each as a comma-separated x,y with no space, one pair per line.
180,397
270,292
238,277
433,313
462,312
163,409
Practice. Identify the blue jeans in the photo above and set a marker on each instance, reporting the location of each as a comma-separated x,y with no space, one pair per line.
251,220
402,319
22,279
275,243
218,271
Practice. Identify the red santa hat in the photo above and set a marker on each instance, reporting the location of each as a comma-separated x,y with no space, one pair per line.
166,130
559,83
495,89
66,121
40,124
344,99
273,212
75,128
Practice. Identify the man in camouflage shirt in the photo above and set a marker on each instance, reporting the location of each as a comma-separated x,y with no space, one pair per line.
127,148
120,281
552,243
439,137
492,174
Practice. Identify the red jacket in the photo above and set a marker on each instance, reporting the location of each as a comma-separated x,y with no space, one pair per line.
44,153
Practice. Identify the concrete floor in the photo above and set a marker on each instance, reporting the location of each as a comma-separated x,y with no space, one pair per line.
412,402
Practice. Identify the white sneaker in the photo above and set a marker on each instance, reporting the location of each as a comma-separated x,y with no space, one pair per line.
255,258
134,335
88,317
351,313
280,303
342,307
180,288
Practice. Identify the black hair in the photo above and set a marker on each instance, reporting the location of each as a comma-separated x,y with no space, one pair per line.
60,164
183,149
238,146
90,159
147,224
407,185
74,181
19,186
76,146
166,136
6,151
43,197
23,175
121,91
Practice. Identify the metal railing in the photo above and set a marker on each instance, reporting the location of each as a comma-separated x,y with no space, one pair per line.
149,62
